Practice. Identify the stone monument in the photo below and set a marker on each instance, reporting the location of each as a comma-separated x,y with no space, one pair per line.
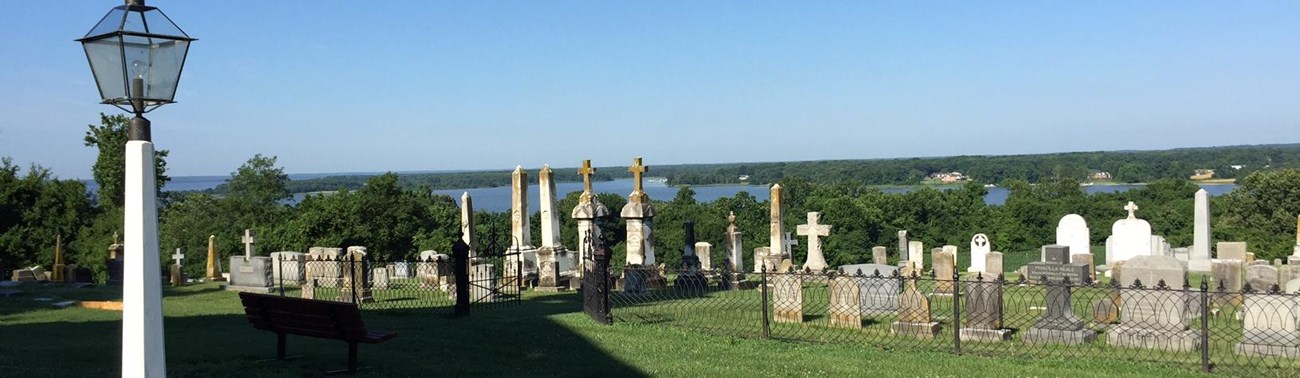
177,271
289,267
248,272
983,320
640,272
816,262
787,297
879,255
944,262
60,270
877,285
357,281
1155,317
521,253
213,268
914,314
845,302
690,277
1198,259
1059,325
1072,231
585,213
1130,237
979,250
467,224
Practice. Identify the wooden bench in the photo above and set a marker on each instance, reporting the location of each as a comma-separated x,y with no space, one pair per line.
306,317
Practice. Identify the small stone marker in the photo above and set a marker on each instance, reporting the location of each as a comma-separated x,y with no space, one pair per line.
1085,258
916,255
1270,324
705,252
944,268
787,297
1231,250
878,286
1155,318
879,255
380,277
914,314
355,287
1226,282
983,320
1261,277
845,302
993,264
979,251
903,245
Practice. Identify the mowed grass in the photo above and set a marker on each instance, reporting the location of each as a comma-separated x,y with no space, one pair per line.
545,335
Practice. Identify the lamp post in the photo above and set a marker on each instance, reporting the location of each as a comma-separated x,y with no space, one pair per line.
136,54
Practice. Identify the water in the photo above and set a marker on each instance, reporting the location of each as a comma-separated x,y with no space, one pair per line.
498,199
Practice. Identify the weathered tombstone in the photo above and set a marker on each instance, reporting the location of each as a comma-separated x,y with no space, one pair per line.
879,255
903,245
114,264
1226,282
289,266
1270,324
324,266
379,277
355,287
690,277
402,269
775,221
914,314
761,259
1085,258
1056,266
983,308
483,283
521,260
640,241
433,270
787,297
845,302
585,213
1253,262
177,271
815,262
878,286
248,272
704,251
993,264
979,251
551,222
1198,259
548,276
1261,277
735,256
944,268
1287,273
1231,250
1072,231
916,256
1130,237
1105,310
1154,318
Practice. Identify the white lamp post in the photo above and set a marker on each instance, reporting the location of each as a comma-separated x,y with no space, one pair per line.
136,54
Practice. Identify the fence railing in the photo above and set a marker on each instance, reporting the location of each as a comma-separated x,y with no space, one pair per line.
1199,328
427,284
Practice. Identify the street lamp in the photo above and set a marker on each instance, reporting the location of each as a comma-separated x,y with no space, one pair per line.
136,54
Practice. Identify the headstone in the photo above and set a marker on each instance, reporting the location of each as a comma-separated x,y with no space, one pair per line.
1261,277
1198,259
1155,318
761,260
289,266
355,286
585,213
1085,258
1059,325
735,249
979,250
1056,267
636,214
114,264
1270,326
402,269
1105,310
1287,273
1231,250
776,225
60,270
903,245
380,277
914,314
993,264
877,286
845,302
1226,282
704,251
177,271
816,262
787,297
214,266
434,270
983,321
549,272
248,272
1072,231
916,255
1131,237
323,266
944,266
521,254
483,281
879,255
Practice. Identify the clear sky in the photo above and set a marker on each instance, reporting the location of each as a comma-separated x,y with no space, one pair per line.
346,86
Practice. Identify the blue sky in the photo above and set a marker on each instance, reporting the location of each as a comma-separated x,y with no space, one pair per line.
344,86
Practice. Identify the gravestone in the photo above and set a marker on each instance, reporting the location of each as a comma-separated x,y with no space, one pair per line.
1072,231
323,267
483,283
916,255
1231,250
289,265
704,251
1270,324
1059,325
548,277
993,264
1287,273
213,266
433,270
944,268
402,269
379,277
877,285
761,260
589,208
983,321
979,251
114,264
845,302
1261,277
1056,266
248,272
550,226
776,222
735,256
1085,258
1198,259
879,255
356,284
814,230
903,245
1226,282
787,297
690,277
1130,237
914,314
1155,318
177,273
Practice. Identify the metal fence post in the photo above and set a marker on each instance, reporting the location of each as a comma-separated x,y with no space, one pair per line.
280,269
767,328
460,257
956,312
352,272
1205,325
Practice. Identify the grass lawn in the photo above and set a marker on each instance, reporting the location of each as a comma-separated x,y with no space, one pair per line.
545,335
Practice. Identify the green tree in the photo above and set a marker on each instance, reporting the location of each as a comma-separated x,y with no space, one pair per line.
110,138
1262,211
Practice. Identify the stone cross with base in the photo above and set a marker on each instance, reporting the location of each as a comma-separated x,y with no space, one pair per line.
637,170
788,243
1132,208
178,257
814,231
248,244
586,171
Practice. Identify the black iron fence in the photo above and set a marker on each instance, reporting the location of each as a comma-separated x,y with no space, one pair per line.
415,285
1187,325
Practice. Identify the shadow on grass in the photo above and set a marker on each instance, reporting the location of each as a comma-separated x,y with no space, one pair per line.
217,340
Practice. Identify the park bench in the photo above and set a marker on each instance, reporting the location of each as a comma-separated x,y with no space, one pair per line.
306,317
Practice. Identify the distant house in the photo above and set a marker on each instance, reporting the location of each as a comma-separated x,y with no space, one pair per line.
744,177
948,177
1238,167
1096,175
1202,174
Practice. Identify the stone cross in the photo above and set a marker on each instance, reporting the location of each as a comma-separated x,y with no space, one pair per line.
788,243
814,231
586,171
1132,208
637,170
248,244
178,257
115,237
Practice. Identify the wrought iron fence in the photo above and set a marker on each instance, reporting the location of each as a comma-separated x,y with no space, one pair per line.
427,284
1190,327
